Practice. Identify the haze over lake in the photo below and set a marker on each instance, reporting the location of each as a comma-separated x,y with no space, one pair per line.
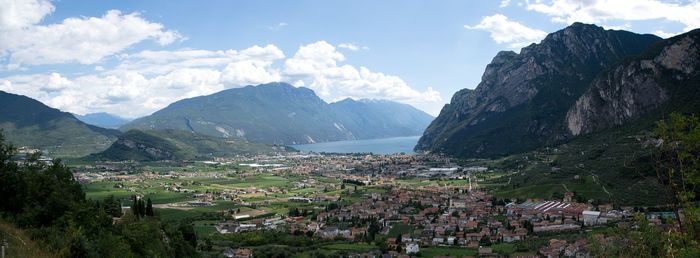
377,146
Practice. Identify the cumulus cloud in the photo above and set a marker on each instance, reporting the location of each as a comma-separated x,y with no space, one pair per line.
600,11
317,66
146,81
85,40
505,31
157,62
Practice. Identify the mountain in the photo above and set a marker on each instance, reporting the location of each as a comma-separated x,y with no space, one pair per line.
664,79
279,113
523,99
151,145
102,119
371,119
28,122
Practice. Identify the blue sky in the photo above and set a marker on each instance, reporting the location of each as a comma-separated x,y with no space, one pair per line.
133,57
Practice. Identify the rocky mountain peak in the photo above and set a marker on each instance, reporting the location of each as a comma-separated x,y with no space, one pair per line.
635,88
523,97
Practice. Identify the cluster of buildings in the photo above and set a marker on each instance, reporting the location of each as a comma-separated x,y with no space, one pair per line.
435,216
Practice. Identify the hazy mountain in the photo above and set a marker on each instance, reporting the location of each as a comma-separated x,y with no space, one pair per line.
150,145
102,119
523,99
369,119
279,113
27,122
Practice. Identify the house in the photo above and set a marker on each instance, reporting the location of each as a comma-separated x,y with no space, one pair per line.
328,232
412,248
247,227
451,240
509,237
227,227
485,251
243,253
238,253
590,218
554,249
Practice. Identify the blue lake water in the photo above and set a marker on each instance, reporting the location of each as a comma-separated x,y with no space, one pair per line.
376,146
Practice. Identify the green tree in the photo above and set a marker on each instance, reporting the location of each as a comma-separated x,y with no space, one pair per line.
677,164
149,208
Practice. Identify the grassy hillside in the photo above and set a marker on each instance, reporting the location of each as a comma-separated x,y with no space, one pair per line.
148,145
27,122
613,165
19,244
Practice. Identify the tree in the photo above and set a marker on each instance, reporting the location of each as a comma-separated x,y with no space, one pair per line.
112,206
135,207
149,208
677,165
485,241
49,203
677,160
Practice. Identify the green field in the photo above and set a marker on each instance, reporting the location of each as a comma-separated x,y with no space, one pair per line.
355,247
400,229
447,251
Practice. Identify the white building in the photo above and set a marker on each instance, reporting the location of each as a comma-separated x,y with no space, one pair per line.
590,218
412,248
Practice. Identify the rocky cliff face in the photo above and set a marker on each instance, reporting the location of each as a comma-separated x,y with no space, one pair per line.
523,99
637,87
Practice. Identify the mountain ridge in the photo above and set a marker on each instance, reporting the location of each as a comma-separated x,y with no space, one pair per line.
279,113
151,145
523,98
102,119
28,122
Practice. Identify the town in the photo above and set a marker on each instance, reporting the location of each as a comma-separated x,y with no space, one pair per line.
361,205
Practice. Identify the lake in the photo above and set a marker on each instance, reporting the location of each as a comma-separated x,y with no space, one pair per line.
376,146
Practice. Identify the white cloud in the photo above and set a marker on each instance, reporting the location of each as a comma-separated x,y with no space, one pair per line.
278,26
19,14
504,3
316,66
349,46
505,31
599,11
352,46
150,80
159,62
625,26
86,40
664,34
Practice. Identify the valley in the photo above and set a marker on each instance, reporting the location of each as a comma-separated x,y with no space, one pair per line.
579,141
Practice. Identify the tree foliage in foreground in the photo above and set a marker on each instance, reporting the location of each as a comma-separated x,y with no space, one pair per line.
677,165
47,201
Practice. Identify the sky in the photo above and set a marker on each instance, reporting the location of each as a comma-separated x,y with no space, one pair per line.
131,58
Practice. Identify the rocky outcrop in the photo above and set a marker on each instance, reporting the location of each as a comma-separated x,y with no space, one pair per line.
635,88
523,98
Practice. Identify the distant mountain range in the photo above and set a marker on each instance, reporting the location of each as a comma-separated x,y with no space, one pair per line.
579,80
27,122
279,113
102,119
169,144
273,114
